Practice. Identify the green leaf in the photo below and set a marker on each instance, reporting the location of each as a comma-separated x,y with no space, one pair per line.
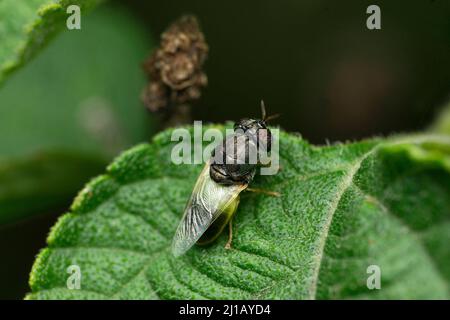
343,208
41,181
27,26
79,96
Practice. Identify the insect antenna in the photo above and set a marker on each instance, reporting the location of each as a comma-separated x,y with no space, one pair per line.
266,118
263,110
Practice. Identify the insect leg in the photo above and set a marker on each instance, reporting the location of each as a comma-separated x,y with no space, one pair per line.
269,193
230,234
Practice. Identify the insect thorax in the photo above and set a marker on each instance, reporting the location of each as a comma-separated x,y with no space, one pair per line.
234,160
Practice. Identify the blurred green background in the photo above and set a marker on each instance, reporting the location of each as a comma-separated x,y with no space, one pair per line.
315,62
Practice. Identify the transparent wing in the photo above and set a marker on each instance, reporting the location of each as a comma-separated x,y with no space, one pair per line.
207,202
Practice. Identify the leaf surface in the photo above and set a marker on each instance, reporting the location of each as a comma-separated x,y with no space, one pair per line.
343,207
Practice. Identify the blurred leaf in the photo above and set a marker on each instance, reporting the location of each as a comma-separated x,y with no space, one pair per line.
442,122
27,26
82,92
81,95
343,208
42,181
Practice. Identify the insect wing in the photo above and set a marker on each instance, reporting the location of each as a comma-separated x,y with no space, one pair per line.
208,200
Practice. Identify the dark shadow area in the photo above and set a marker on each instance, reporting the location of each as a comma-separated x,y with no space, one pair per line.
317,64
19,244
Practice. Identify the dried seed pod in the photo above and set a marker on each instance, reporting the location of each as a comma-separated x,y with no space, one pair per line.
175,68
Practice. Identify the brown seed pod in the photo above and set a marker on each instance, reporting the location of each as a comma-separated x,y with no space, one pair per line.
175,68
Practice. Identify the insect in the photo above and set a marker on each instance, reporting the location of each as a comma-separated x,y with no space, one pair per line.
216,193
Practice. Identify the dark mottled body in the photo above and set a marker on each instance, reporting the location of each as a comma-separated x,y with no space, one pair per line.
231,160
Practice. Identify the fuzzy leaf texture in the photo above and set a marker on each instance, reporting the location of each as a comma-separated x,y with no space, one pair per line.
343,207
27,26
